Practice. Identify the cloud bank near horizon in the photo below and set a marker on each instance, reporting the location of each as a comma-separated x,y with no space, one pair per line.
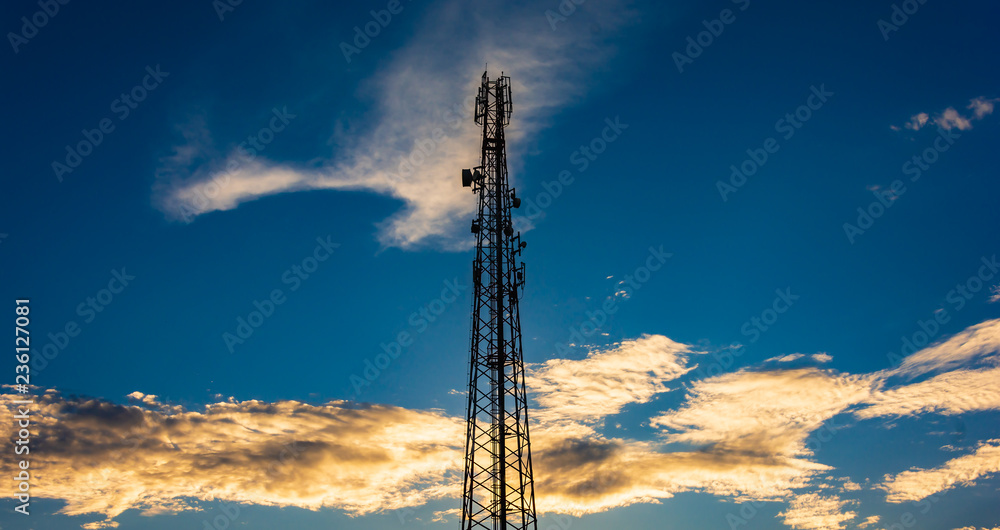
748,435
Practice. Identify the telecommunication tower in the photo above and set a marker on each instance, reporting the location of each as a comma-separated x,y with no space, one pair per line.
499,490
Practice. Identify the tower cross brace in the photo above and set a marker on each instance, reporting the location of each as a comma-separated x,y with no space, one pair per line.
499,492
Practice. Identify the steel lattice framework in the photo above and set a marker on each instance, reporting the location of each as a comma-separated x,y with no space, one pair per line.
499,490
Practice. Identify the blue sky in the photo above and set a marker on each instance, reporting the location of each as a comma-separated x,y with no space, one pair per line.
171,169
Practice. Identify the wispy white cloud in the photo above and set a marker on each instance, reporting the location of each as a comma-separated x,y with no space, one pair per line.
816,357
813,511
917,121
950,393
422,132
917,484
974,346
982,107
769,412
786,358
600,385
868,521
950,118
851,486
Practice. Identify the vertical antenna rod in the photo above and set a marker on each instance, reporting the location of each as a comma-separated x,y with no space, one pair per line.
499,491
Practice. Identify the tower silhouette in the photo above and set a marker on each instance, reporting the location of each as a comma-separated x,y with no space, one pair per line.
499,490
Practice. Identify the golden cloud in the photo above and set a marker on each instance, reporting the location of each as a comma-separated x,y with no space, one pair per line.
917,484
743,435
105,458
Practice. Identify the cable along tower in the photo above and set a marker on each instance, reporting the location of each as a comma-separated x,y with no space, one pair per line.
499,491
